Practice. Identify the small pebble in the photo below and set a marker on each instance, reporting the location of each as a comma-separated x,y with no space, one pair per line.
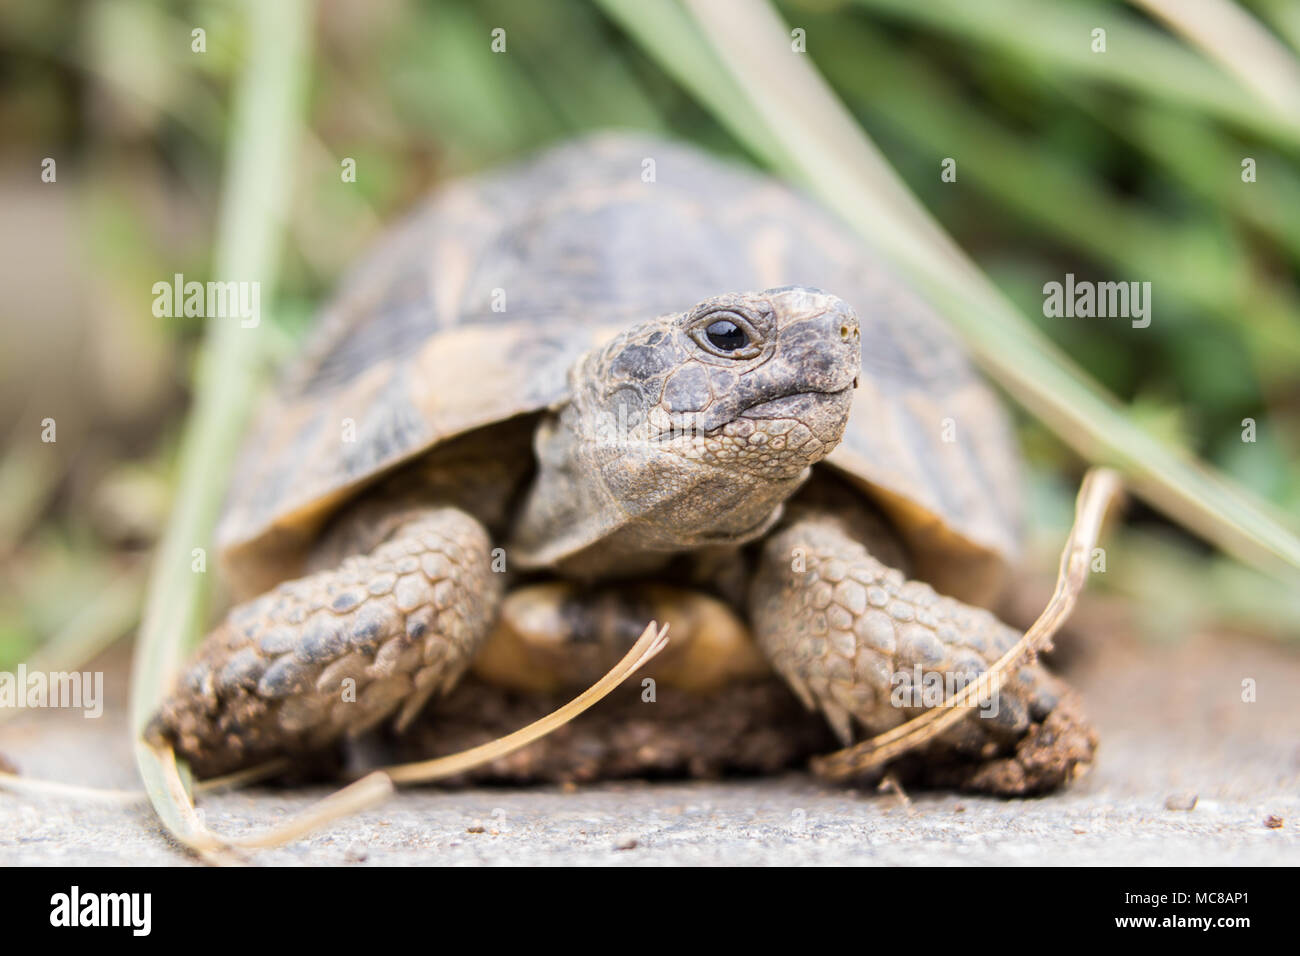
7,765
475,827
626,843
1273,822
1183,800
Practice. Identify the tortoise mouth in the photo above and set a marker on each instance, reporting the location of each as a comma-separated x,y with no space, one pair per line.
775,424
809,406
798,405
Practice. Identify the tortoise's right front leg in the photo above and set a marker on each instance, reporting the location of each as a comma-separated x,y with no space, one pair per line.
860,642
335,652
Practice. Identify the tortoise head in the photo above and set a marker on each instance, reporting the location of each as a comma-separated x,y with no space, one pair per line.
692,429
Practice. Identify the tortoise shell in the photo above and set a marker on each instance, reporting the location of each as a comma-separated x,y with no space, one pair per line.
471,311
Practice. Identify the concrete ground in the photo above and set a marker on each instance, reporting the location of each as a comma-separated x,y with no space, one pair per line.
1171,718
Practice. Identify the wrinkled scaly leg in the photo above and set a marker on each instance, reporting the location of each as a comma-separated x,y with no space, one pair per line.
337,651
847,631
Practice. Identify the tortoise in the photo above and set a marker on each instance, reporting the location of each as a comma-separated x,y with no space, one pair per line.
624,379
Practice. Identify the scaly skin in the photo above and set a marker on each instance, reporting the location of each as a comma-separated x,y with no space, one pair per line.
839,626
335,652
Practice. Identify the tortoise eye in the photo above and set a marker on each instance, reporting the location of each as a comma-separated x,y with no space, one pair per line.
726,336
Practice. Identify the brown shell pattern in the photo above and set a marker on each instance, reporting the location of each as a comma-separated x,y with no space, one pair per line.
472,309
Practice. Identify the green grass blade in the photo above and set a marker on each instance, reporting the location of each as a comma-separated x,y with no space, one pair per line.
675,43
1239,43
263,136
1139,57
1284,17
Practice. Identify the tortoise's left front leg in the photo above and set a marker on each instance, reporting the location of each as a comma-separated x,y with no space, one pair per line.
340,649
859,642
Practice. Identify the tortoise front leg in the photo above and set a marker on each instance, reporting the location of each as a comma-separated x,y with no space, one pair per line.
858,641
335,652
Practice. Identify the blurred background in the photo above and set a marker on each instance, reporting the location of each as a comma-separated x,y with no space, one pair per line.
1117,168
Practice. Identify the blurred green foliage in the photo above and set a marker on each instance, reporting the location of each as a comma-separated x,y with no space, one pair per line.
1062,167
